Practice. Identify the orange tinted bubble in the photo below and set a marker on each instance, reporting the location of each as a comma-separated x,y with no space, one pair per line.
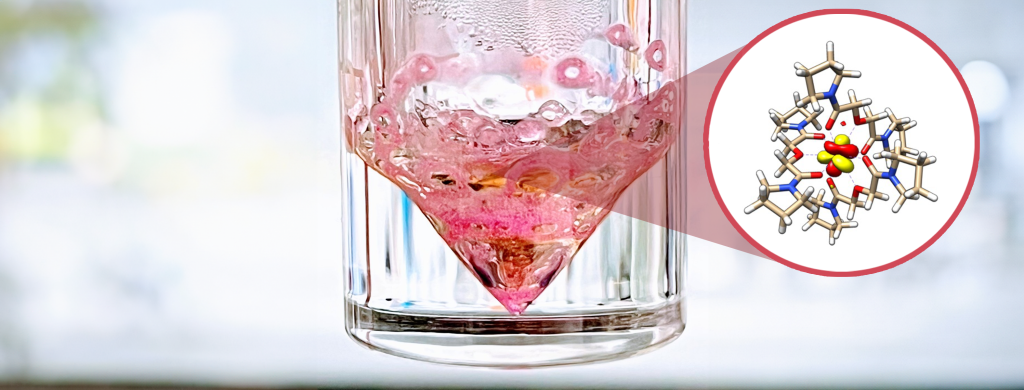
538,91
534,64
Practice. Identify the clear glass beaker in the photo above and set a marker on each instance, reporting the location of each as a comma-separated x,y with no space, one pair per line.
485,145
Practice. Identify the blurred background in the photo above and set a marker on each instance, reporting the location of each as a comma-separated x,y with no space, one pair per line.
169,214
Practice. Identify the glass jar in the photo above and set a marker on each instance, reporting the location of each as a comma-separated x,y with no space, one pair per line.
507,196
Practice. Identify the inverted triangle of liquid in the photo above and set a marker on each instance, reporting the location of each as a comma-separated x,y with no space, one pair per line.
515,201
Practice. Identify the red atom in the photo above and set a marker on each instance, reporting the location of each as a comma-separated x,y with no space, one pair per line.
843,123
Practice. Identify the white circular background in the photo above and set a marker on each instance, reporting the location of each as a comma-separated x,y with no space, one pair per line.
899,71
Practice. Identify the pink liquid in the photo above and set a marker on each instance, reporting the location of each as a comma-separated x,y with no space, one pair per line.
516,199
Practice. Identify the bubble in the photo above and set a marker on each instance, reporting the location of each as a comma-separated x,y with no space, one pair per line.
488,182
400,86
573,72
382,115
546,228
421,68
401,157
530,131
553,112
538,179
656,56
620,35
488,136
585,181
443,179
366,140
588,117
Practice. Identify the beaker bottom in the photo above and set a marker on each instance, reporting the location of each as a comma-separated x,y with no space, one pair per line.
516,342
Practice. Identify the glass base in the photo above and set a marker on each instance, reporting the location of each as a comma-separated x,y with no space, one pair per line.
516,342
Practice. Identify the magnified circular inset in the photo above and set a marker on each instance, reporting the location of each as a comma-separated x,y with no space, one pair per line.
841,151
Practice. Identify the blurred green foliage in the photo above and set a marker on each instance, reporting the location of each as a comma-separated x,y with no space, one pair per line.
44,99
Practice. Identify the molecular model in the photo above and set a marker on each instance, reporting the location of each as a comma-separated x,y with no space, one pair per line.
838,155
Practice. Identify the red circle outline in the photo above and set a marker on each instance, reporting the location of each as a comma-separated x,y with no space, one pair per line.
773,256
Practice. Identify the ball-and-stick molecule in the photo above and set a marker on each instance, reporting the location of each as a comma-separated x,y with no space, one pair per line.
838,155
